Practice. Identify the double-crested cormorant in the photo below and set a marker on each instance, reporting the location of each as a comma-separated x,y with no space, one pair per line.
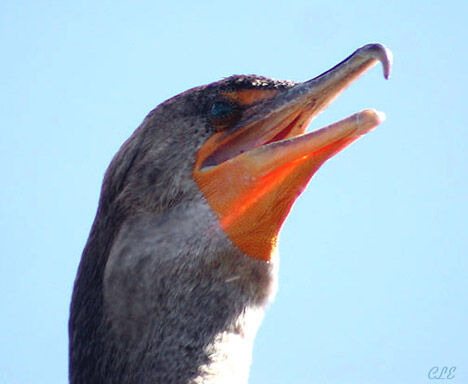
180,262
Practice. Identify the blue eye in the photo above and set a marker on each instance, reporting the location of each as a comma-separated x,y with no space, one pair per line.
221,110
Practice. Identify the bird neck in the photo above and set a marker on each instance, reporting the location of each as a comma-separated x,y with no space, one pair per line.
183,307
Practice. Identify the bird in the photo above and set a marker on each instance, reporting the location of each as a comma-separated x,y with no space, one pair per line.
182,257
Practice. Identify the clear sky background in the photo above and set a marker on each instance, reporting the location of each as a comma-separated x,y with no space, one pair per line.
374,256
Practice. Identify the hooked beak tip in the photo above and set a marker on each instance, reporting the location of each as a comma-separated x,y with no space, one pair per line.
380,53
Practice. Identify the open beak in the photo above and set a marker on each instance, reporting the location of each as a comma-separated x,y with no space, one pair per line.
251,175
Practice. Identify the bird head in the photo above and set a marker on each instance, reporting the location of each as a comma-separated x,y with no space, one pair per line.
241,142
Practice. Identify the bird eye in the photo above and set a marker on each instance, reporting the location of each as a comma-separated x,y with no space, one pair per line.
221,110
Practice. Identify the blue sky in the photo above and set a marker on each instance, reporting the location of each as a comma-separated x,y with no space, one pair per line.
374,266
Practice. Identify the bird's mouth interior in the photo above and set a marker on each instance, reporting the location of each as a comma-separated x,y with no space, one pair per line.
284,133
254,136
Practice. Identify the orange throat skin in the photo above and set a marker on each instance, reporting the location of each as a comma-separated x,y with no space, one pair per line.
252,174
